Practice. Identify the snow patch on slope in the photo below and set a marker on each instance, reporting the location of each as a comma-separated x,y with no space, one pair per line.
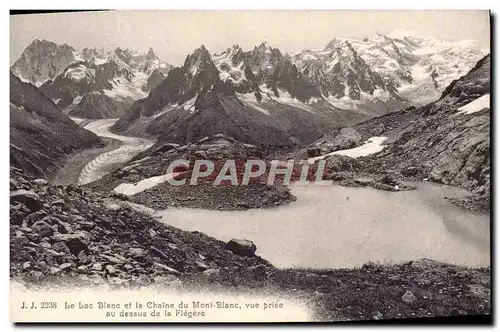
227,70
130,189
248,99
371,146
189,105
286,98
77,100
80,73
476,105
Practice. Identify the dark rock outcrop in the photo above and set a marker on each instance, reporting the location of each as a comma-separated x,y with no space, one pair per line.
95,105
154,80
242,247
28,198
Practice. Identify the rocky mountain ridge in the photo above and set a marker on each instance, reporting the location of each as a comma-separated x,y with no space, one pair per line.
192,102
120,77
240,86
41,136
382,72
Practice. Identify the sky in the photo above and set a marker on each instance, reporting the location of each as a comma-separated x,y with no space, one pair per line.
175,34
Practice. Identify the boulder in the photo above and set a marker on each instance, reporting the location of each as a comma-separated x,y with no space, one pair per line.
113,206
408,297
75,242
83,269
410,171
96,267
42,228
32,218
339,163
347,138
65,266
169,281
110,269
166,268
242,247
40,182
143,280
83,258
28,198
60,247
86,225
58,202
313,152
137,252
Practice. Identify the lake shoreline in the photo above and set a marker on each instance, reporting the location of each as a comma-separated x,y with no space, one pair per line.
321,224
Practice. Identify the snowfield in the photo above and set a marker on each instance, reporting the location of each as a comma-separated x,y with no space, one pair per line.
475,106
80,73
130,189
371,146
124,89
248,99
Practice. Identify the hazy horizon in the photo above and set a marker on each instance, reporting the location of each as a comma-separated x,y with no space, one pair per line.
175,34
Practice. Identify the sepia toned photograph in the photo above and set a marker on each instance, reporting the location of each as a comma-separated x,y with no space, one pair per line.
250,166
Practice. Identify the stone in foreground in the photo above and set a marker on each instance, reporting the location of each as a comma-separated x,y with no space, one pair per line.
28,198
242,247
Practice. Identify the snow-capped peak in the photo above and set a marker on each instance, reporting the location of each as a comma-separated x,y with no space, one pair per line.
332,44
198,59
43,60
265,45
337,43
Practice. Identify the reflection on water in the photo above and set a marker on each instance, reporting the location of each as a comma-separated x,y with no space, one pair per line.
335,227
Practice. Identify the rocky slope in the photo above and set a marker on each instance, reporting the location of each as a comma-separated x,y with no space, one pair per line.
67,230
143,179
41,136
96,105
66,236
447,141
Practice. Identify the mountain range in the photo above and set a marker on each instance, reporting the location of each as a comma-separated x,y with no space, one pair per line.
257,96
91,83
